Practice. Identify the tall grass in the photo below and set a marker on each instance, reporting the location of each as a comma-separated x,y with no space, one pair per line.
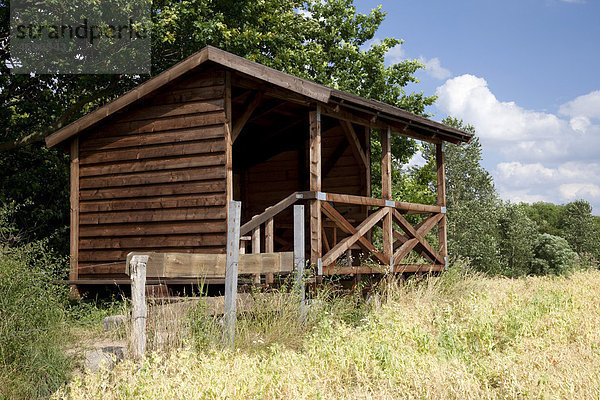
32,362
459,336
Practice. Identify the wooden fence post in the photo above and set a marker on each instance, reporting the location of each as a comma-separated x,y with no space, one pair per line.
299,252
139,312
231,271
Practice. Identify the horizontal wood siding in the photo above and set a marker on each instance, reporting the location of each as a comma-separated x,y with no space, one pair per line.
153,178
345,176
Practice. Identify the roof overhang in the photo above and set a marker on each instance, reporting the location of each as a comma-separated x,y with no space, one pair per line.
310,90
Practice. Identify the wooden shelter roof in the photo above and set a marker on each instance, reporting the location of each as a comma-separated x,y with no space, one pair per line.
375,113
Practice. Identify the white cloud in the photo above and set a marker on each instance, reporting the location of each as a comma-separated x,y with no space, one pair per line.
395,55
565,182
587,106
518,132
573,191
433,68
546,156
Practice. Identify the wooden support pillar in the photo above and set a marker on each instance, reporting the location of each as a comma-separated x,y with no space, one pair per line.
441,201
315,184
386,194
368,175
74,231
368,155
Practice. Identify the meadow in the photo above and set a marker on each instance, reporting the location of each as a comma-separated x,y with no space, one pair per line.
459,336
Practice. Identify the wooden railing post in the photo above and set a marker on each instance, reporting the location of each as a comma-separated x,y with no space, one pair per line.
269,246
139,313
299,251
256,249
386,194
441,201
231,272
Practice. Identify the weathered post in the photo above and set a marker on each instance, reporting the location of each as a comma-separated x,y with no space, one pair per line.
139,312
299,252
231,271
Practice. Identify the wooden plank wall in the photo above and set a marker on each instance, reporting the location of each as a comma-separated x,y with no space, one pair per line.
345,176
154,178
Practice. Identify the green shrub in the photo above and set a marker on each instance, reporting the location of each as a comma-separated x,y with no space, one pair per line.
553,255
32,362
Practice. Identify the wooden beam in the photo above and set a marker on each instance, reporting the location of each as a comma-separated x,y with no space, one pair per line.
270,212
356,233
398,128
412,232
335,270
368,165
315,184
241,122
386,193
335,216
441,201
405,249
369,201
74,228
355,145
213,266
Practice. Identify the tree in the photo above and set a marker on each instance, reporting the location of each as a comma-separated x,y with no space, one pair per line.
321,40
518,236
578,227
547,217
553,255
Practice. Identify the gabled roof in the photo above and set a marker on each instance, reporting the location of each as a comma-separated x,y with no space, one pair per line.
308,89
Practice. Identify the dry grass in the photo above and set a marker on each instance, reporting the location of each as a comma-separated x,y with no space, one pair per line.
456,337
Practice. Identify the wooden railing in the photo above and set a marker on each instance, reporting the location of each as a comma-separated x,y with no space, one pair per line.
405,239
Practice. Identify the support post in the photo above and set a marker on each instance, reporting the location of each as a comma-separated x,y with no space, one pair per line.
316,241
441,201
231,271
386,194
139,312
299,251
74,228
256,250
269,246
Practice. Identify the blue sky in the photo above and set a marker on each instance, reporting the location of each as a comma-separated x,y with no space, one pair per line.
525,73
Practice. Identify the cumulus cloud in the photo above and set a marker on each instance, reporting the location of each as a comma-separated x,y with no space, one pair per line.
546,156
518,132
433,68
587,106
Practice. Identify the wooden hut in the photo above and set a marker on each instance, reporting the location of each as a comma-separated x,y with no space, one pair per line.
154,170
